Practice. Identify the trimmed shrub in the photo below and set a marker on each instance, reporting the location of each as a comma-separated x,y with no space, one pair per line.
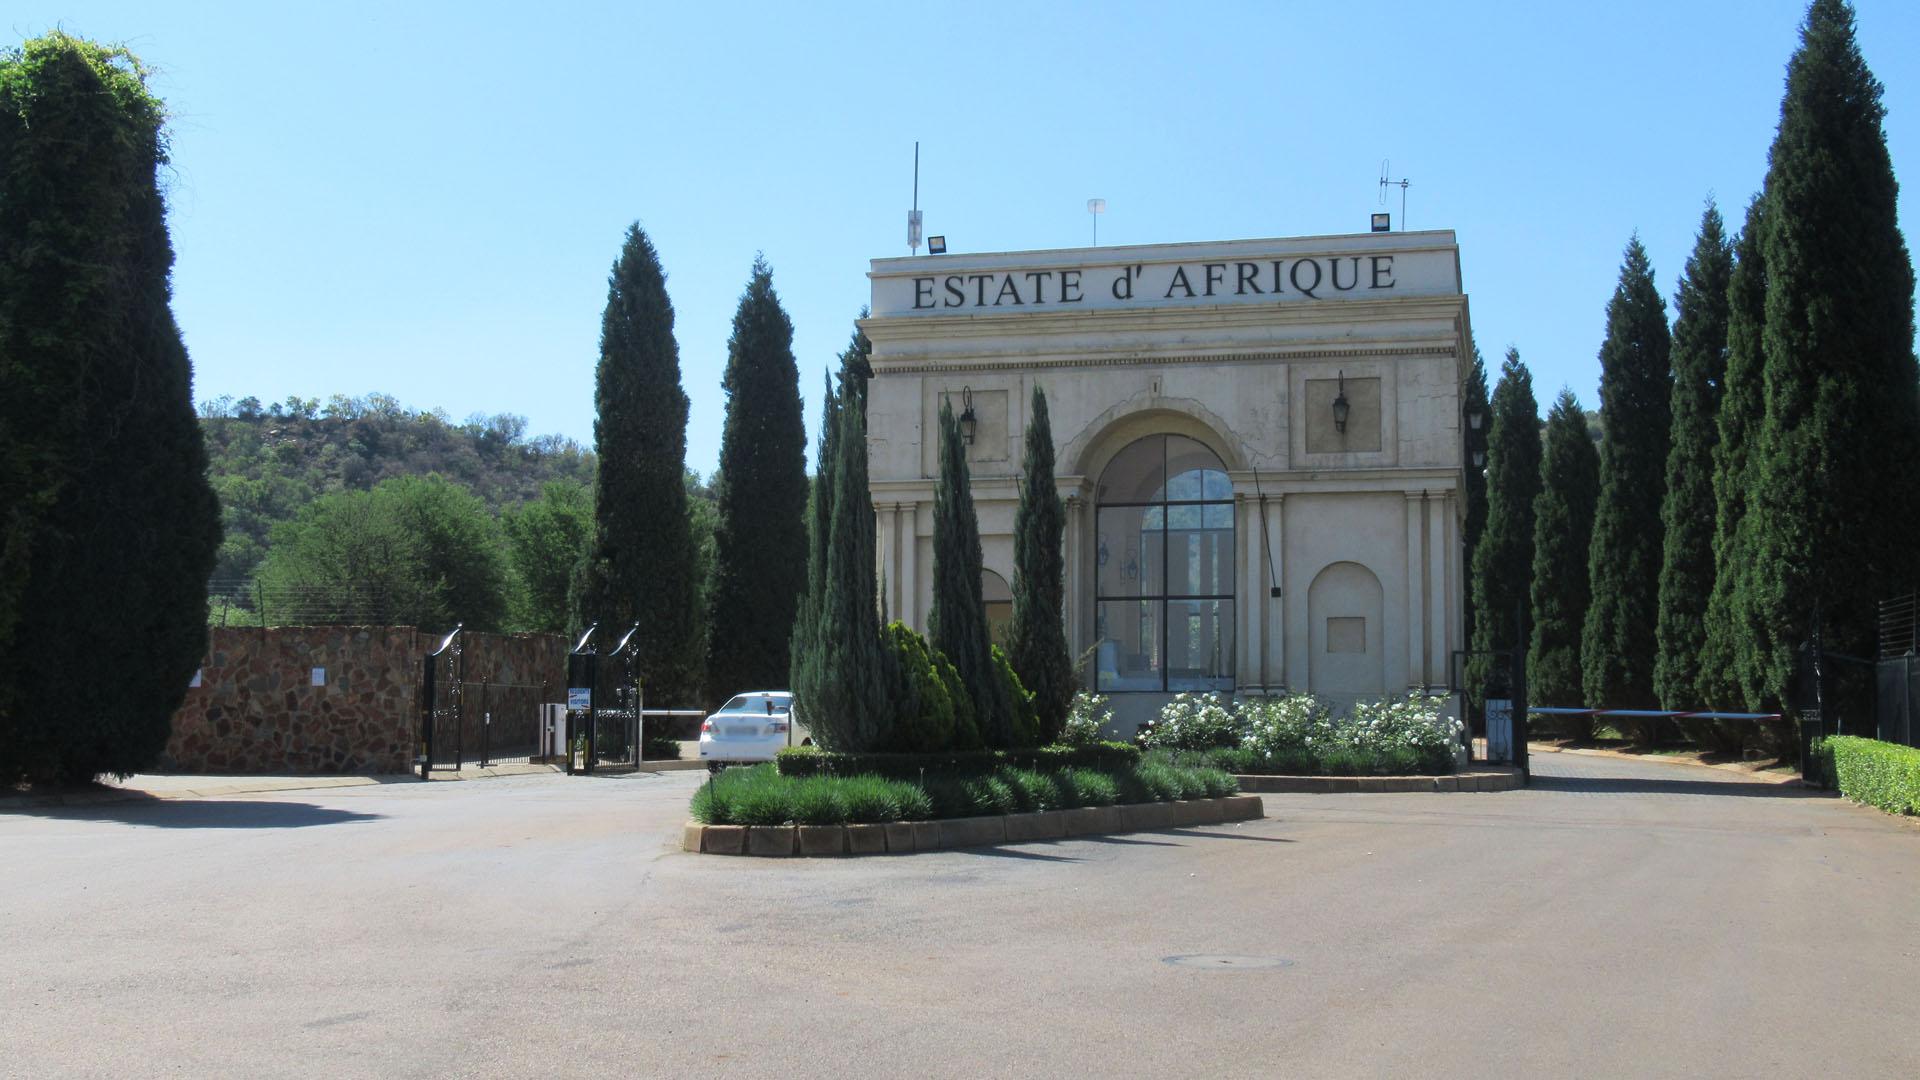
1026,721
1089,787
801,761
923,709
1875,773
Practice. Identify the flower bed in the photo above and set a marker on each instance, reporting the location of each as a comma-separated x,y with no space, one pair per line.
762,795
1298,735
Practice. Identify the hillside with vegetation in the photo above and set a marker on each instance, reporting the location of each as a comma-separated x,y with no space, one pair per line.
268,462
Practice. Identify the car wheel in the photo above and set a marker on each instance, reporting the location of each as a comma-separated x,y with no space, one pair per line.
714,766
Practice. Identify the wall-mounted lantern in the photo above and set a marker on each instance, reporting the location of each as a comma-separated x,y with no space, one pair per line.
1475,417
1479,459
968,422
1340,406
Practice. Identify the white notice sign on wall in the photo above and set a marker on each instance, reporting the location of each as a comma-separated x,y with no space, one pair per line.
319,676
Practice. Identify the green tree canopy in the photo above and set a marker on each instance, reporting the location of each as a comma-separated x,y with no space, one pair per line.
1474,401
1038,645
1727,651
414,551
642,568
957,621
841,675
1503,560
760,542
1636,391
1836,499
547,539
1562,533
1687,515
108,527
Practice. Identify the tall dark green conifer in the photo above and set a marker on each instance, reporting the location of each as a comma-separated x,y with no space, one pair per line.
1474,402
1636,392
108,526
1699,369
1836,504
1503,562
957,621
1562,534
1730,627
760,541
1038,645
840,672
642,566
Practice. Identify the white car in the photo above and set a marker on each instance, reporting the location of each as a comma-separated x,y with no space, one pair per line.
753,726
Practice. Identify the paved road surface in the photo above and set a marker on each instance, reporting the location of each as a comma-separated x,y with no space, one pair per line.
1621,918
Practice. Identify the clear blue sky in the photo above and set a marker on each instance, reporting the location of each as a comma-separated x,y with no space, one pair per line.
425,200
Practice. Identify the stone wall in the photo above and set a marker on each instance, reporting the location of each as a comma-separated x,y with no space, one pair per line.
257,708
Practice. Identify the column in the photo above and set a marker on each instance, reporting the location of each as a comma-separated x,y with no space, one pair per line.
1416,616
1246,594
1075,585
909,611
1273,620
1440,588
888,552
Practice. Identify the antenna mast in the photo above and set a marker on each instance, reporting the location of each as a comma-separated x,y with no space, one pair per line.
1386,182
913,215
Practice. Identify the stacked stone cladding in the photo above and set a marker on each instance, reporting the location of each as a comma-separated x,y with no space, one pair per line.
257,711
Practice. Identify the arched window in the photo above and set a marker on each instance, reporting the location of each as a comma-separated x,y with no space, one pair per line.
1163,569
998,600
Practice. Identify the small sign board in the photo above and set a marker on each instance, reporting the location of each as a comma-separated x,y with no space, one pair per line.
319,676
196,678
579,697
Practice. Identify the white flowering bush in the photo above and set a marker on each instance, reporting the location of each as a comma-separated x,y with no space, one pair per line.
1087,718
1286,734
1193,722
1298,733
1412,725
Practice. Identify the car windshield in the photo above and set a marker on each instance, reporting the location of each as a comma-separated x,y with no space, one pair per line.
755,703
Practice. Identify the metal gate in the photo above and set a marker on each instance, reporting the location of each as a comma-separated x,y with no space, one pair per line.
442,679
1503,736
1897,692
605,713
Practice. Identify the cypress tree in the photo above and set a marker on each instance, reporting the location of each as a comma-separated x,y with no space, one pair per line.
957,621
760,540
1562,534
1835,504
1038,643
108,526
1503,560
841,674
1686,568
1636,391
1730,628
1474,402
642,566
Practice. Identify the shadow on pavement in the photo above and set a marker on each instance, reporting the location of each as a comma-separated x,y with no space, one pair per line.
1003,853
1604,785
202,814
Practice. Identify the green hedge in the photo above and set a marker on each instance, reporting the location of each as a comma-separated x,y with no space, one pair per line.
1868,771
802,761
762,795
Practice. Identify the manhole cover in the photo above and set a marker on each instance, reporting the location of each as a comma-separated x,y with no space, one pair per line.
1222,961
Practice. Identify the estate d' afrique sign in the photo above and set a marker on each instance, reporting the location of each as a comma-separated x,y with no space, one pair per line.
1261,273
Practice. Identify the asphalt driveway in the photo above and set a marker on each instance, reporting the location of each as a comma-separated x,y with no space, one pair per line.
1619,918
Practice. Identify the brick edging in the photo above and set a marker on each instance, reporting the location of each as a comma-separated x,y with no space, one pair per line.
900,837
1477,780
